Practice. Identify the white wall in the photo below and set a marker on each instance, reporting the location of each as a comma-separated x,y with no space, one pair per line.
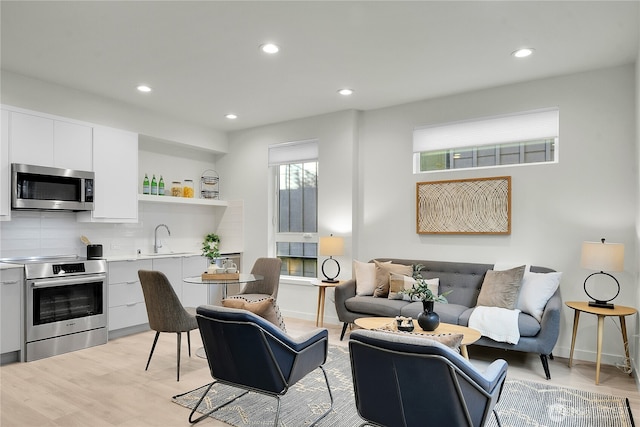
245,175
591,193
25,92
635,340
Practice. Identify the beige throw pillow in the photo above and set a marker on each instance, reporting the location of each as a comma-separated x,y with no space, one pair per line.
383,270
266,308
453,341
501,288
399,283
365,275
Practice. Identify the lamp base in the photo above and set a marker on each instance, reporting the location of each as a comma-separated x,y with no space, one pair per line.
601,304
330,281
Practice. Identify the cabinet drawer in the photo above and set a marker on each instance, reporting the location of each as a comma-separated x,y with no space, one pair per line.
126,293
127,271
125,316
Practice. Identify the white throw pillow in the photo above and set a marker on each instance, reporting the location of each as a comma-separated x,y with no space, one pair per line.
536,290
365,274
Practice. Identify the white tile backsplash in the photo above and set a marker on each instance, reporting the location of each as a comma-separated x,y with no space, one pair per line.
31,233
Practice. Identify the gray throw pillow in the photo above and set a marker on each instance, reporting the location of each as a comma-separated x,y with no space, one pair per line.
501,288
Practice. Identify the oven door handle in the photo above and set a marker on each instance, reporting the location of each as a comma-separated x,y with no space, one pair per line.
67,281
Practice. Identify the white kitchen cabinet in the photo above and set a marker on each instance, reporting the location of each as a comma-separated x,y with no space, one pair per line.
194,295
42,140
10,309
5,168
31,139
72,146
126,300
115,163
172,268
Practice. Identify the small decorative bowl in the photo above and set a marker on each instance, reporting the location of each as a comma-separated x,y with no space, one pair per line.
406,327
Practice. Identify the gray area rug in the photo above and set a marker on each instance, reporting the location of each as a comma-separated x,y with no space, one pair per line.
523,403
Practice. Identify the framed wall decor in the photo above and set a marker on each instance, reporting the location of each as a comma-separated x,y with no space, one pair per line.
464,206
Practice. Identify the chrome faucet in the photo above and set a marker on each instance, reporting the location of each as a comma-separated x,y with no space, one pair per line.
157,245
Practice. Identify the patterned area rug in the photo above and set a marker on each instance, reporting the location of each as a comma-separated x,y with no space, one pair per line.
523,403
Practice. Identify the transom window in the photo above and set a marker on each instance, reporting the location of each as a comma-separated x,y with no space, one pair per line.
521,138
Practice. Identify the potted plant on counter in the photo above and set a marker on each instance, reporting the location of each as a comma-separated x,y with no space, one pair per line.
428,319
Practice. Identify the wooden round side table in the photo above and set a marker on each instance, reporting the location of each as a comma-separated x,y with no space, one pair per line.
618,310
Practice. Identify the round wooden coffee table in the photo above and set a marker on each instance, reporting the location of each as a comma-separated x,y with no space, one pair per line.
469,336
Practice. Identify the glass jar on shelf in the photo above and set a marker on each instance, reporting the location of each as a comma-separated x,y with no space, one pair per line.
176,189
187,188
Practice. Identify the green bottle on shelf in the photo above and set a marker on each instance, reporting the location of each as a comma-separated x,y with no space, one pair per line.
145,185
161,187
154,185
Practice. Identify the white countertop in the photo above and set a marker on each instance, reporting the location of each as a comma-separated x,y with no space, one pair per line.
151,256
6,265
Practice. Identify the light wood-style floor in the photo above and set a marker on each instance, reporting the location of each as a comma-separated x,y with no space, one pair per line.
108,386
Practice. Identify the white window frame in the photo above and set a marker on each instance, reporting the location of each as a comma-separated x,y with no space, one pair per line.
288,153
518,128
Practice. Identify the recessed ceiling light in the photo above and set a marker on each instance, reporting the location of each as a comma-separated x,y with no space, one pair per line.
269,48
144,88
523,53
231,116
345,92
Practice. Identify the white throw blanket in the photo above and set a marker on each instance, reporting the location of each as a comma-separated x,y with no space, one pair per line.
499,324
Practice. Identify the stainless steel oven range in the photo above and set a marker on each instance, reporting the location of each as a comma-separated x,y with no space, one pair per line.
65,306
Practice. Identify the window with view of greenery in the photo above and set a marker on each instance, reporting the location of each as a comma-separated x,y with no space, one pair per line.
297,218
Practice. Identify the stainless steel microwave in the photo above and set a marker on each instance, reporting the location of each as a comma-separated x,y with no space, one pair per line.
45,188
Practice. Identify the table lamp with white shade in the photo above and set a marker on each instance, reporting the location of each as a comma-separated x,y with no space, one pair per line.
601,256
331,246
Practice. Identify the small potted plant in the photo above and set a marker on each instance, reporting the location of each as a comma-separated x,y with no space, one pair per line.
210,247
428,319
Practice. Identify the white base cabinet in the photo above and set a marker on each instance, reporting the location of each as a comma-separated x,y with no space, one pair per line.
126,300
195,295
10,309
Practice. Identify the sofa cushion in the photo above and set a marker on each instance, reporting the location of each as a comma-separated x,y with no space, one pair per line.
383,270
528,325
372,306
501,288
365,274
399,283
536,290
449,313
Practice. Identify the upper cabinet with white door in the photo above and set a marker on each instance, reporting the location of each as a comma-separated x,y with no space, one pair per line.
115,164
45,140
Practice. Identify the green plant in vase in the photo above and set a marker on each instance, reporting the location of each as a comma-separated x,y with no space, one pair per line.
428,319
210,247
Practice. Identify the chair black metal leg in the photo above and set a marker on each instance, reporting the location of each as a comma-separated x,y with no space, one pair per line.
189,342
497,419
326,379
203,416
545,365
344,329
153,347
551,356
179,342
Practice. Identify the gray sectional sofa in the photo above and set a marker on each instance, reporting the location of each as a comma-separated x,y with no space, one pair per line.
465,279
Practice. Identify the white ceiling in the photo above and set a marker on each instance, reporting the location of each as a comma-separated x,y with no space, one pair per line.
202,58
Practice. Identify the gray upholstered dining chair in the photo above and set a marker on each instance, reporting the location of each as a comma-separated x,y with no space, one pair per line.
246,351
269,268
165,311
403,380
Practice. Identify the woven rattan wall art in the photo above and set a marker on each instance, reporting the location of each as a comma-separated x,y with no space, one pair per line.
464,206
